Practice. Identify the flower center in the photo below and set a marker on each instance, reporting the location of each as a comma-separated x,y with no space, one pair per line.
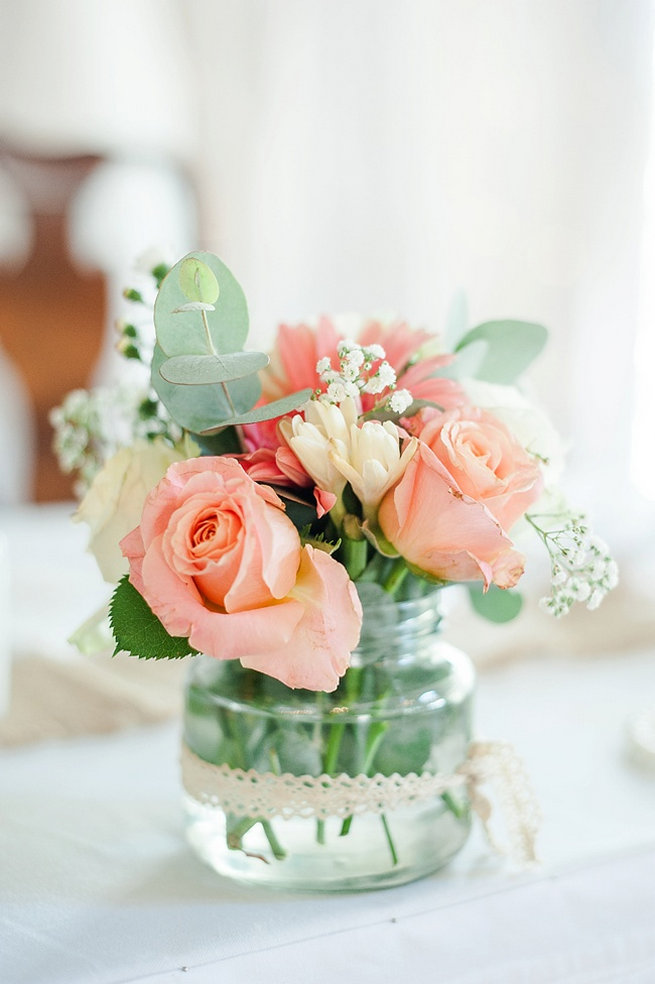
215,530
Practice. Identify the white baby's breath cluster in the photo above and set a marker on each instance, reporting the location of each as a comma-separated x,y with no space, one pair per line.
91,425
356,376
582,568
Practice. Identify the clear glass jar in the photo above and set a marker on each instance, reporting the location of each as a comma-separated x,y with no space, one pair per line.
402,710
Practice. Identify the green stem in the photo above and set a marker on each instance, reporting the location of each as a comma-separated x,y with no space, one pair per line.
354,553
334,743
373,569
399,572
387,833
329,766
375,736
278,851
458,810
212,349
210,342
236,832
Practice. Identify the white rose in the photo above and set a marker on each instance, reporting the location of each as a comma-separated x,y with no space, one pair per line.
113,504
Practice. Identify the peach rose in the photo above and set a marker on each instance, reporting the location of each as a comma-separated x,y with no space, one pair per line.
485,460
219,562
442,531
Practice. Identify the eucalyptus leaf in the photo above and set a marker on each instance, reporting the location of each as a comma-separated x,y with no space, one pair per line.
197,370
206,408
297,752
197,281
468,363
457,319
497,604
267,412
511,347
200,332
407,752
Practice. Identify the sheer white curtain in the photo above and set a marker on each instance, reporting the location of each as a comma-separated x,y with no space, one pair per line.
386,155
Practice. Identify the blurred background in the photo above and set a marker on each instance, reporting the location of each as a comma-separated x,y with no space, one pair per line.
424,158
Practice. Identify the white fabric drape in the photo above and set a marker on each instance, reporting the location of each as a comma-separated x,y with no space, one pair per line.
384,156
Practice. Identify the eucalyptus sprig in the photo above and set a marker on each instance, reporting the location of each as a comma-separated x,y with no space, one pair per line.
200,372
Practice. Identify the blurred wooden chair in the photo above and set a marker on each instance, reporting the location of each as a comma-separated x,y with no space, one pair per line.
52,314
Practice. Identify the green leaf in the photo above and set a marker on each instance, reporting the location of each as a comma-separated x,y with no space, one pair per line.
457,319
138,631
223,442
184,332
198,370
296,751
376,537
510,348
204,408
406,750
197,281
497,604
267,412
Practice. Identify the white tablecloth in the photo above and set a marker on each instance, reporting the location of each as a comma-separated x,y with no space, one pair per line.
97,885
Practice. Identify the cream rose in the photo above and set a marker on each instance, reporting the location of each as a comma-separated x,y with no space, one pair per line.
113,503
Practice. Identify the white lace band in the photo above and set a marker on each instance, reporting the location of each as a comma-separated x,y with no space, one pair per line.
267,795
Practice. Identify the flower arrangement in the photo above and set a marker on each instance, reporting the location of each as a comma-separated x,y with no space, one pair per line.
244,498
243,504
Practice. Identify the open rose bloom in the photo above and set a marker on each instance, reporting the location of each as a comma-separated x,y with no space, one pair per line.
355,452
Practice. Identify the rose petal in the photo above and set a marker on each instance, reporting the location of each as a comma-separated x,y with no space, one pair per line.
318,653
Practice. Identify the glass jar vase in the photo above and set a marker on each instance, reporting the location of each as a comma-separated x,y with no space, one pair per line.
356,789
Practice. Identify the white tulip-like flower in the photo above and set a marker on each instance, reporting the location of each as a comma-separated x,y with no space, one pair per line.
374,462
326,428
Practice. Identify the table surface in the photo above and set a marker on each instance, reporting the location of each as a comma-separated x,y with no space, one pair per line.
98,885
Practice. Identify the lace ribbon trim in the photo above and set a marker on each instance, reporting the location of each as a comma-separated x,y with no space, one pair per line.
267,795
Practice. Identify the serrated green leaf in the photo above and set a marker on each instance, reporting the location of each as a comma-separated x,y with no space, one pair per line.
267,412
197,281
204,408
183,332
497,604
138,631
199,370
510,348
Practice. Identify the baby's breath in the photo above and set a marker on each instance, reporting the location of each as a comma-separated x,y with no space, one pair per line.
356,375
582,568
91,425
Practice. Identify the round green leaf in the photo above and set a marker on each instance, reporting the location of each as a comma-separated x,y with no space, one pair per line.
496,604
196,370
510,348
197,281
185,326
269,411
205,407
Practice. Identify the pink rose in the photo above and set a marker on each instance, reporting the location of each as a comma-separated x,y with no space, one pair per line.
485,460
219,562
442,531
